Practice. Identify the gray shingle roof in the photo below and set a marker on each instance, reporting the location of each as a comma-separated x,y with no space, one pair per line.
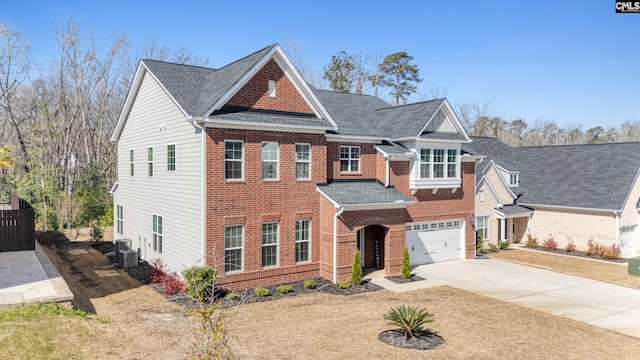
362,193
272,117
514,209
392,148
195,88
593,176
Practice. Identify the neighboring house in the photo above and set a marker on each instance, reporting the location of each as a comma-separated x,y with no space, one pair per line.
250,170
571,192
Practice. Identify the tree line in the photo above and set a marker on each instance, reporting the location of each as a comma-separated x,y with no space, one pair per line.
56,119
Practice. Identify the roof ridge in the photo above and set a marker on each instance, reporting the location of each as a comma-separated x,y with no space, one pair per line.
178,64
344,93
415,103
576,145
244,57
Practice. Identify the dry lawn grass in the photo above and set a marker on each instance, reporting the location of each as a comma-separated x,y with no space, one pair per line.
592,269
473,327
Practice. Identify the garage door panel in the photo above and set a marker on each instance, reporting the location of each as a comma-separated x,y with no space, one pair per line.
436,243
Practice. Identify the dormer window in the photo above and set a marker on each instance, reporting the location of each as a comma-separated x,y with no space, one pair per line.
438,163
514,178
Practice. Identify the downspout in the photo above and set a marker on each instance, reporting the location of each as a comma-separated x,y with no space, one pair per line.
335,244
387,178
617,228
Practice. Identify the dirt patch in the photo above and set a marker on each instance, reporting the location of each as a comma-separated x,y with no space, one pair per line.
606,271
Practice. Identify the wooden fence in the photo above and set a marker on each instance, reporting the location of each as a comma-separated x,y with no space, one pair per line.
17,225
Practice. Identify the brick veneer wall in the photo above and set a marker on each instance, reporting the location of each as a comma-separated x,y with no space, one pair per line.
254,200
254,94
368,159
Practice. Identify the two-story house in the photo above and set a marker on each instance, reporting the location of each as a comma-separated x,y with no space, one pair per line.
250,170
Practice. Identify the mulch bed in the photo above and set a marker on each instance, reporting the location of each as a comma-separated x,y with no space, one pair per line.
398,279
580,254
424,340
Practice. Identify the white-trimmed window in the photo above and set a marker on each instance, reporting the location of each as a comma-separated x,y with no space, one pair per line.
514,178
233,159
452,163
119,220
171,157
269,160
482,226
303,161
132,162
158,236
271,84
349,159
233,238
438,163
269,244
425,163
150,161
303,240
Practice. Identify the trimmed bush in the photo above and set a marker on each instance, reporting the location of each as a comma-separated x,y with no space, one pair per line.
406,264
550,243
356,269
310,284
409,319
571,247
343,284
532,242
284,289
200,282
502,245
233,295
261,291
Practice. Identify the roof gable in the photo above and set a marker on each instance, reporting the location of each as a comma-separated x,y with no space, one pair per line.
444,120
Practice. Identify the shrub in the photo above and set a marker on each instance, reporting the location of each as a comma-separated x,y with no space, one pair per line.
612,252
409,319
284,289
310,284
502,245
493,247
261,291
571,247
532,242
479,243
172,284
96,233
406,264
343,284
591,247
159,271
233,295
200,282
356,269
550,243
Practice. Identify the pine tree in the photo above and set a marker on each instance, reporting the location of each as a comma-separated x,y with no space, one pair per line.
356,269
406,264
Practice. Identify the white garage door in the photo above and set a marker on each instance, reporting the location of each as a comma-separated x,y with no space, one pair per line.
629,240
435,241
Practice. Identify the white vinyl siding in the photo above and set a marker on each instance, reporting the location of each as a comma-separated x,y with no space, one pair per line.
303,161
177,195
233,240
233,159
425,163
269,160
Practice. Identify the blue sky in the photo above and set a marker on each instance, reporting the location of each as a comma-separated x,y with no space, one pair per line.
574,62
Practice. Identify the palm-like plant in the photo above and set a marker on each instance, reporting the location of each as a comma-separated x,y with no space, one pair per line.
409,318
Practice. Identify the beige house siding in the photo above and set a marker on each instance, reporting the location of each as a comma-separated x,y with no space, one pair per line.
567,225
485,206
495,180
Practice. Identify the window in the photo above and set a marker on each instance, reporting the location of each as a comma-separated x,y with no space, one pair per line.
425,163
438,163
302,240
157,233
482,227
119,220
171,157
150,160
513,180
349,158
451,163
233,236
303,161
269,160
272,88
233,159
132,163
269,244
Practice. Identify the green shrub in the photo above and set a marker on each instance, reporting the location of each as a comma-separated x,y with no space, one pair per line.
261,291
406,264
284,289
493,247
200,281
502,245
356,269
233,295
532,242
409,319
343,284
479,243
96,233
310,284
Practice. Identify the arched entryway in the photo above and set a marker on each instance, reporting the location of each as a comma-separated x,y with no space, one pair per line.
371,245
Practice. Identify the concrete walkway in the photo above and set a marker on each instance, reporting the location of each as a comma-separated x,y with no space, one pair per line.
594,302
30,277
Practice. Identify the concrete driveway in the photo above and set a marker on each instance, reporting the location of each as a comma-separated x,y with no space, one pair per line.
594,302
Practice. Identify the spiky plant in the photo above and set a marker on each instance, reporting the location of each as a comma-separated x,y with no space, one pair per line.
406,264
410,319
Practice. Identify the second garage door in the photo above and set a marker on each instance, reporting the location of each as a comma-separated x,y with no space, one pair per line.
435,241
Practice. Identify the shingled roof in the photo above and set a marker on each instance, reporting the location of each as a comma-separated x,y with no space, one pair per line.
591,176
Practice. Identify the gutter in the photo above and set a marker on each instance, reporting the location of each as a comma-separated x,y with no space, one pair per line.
617,230
335,244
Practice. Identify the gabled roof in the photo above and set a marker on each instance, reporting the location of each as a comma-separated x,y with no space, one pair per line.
590,176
